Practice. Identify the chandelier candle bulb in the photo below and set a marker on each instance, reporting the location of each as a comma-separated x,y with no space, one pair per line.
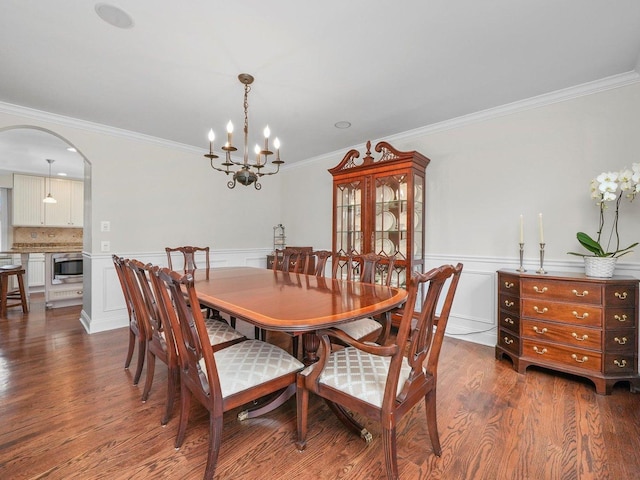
276,144
229,133
212,137
267,132
257,150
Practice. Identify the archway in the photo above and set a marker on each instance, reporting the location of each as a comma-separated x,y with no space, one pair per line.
24,149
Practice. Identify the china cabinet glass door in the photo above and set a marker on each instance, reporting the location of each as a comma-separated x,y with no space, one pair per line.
349,223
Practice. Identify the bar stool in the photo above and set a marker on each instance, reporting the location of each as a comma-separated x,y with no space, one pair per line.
12,298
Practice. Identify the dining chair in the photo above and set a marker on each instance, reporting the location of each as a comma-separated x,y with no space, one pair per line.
137,334
292,260
369,329
188,255
220,380
321,257
379,381
160,342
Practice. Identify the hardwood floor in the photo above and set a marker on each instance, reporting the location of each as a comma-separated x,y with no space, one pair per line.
68,410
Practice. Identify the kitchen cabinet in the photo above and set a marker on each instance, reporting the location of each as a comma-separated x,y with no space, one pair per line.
29,210
67,212
36,270
378,207
28,192
570,323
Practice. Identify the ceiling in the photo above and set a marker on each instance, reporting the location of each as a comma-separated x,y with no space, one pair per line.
385,67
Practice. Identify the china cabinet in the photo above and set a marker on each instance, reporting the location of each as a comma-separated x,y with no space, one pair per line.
570,323
378,207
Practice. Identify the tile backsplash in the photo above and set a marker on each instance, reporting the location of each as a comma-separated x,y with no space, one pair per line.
48,235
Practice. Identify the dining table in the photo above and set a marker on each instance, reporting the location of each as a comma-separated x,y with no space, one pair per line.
295,303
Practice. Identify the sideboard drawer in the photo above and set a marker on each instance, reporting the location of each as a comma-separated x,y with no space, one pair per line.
620,340
623,296
564,312
509,284
509,303
574,292
509,341
574,335
509,321
619,318
619,363
566,355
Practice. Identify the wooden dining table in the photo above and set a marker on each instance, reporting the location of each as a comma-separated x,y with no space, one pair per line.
297,304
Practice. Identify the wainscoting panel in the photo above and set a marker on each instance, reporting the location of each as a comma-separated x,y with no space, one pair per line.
473,316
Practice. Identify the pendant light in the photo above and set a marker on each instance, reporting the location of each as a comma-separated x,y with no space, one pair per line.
49,198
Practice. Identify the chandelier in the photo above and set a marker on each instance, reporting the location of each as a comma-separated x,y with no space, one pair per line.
248,173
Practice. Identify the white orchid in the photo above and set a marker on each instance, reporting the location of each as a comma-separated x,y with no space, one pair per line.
609,187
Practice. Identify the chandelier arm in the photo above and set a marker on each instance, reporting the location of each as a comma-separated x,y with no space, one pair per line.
227,171
270,173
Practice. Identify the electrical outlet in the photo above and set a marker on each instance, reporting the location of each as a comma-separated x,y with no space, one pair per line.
105,226
105,246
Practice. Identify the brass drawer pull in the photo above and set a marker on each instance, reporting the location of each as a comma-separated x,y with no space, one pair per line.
540,290
580,317
540,352
541,332
508,320
621,318
508,284
580,339
579,360
540,310
578,294
621,296
508,340
507,303
621,364
621,341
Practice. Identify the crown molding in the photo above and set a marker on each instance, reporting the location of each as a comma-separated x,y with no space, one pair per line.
590,88
92,127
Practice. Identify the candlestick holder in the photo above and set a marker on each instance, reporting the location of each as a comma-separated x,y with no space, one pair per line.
521,269
541,269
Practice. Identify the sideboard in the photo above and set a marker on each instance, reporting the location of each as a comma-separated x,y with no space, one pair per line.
570,323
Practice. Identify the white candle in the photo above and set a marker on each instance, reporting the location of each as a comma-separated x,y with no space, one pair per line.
229,132
521,228
541,229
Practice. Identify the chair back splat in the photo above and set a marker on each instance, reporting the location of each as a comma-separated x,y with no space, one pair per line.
189,254
343,377
369,329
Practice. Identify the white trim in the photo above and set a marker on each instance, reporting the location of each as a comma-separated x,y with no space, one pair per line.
590,88
608,83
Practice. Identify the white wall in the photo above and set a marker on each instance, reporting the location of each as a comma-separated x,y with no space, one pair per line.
483,174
